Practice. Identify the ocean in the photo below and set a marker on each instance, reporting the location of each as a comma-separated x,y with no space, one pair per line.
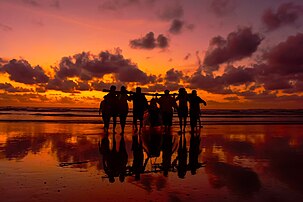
208,116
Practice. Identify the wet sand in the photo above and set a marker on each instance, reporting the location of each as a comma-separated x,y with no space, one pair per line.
243,163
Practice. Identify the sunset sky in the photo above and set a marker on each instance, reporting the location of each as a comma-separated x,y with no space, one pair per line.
236,53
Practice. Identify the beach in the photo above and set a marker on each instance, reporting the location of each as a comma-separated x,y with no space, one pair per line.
57,158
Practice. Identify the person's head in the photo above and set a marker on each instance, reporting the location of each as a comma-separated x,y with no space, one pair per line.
182,91
194,92
112,88
138,90
166,92
123,89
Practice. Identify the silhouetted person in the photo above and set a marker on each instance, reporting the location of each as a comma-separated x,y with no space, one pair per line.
194,151
113,103
182,108
137,148
194,109
105,111
167,104
139,106
154,113
123,107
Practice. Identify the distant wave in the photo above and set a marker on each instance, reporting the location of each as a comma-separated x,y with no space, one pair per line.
209,116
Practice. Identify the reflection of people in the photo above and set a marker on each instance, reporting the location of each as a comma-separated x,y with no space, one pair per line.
167,153
181,158
194,109
114,162
167,103
137,148
182,108
122,159
123,107
139,106
194,151
112,103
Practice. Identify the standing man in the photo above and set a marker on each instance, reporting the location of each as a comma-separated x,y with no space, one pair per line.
139,106
123,107
182,108
167,104
194,109
113,105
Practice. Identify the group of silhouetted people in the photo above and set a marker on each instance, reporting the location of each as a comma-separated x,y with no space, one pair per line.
115,105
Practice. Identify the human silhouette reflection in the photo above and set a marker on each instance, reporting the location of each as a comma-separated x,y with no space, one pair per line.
137,149
114,162
167,151
194,151
181,158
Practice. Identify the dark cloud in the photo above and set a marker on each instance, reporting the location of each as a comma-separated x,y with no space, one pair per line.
118,4
238,45
67,86
21,71
173,75
171,11
176,26
150,42
287,56
287,13
237,76
100,85
208,83
162,41
86,67
222,7
5,28
83,86
10,88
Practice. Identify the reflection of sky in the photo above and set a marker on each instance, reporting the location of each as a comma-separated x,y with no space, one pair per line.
29,157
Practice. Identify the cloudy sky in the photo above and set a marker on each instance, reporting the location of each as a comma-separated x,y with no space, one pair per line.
236,53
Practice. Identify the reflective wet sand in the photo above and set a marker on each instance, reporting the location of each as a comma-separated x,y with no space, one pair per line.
218,163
